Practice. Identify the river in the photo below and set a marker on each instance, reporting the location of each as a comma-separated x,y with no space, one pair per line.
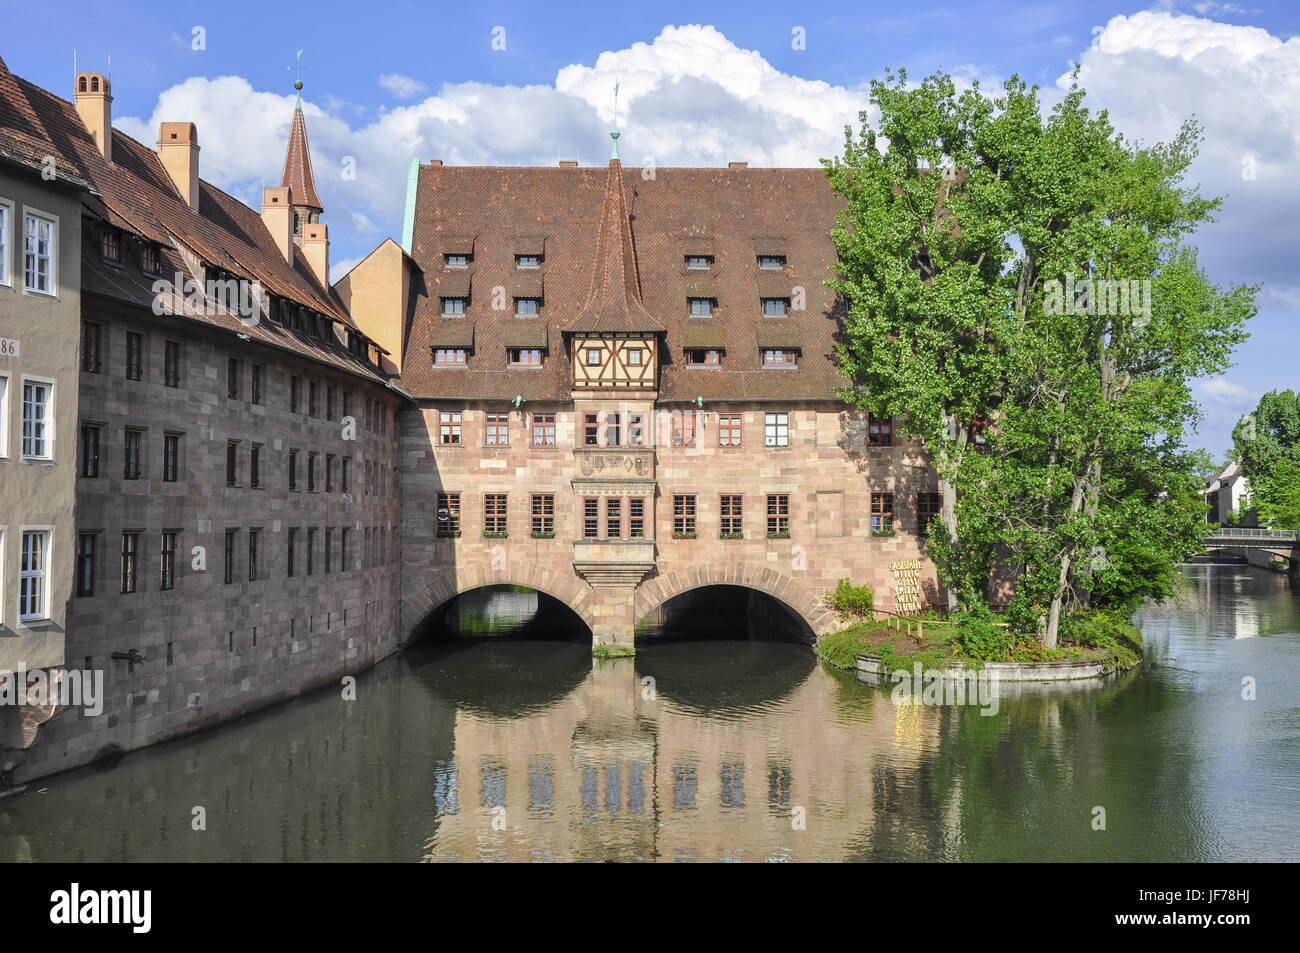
709,747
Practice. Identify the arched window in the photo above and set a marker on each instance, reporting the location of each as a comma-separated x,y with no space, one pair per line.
94,84
81,84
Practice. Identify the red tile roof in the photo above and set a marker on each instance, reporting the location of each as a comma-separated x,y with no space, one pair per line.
297,175
732,214
23,138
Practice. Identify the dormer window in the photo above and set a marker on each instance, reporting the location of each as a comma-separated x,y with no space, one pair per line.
525,356
699,262
449,357
703,357
453,306
593,356
111,245
150,259
775,307
780,358
528,261
527,307
771,262
635,356
700,307
455,261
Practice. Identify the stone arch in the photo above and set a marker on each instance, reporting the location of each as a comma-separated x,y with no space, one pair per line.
654,592
447,585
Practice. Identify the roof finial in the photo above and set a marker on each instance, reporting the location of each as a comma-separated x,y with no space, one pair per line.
297,83
614,133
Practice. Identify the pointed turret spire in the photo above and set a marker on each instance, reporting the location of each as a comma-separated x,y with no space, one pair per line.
297,177
614,298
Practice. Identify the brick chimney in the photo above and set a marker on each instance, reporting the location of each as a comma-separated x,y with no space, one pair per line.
277,216
178,150
314,243
95,107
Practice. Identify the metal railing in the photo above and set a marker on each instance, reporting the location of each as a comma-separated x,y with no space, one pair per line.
1245,533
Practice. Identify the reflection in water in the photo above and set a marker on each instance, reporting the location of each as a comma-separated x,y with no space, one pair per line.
707,748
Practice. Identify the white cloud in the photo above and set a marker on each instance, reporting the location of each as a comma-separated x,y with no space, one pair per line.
1222,391
403,87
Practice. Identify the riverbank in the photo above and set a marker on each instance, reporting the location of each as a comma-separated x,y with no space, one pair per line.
1097,637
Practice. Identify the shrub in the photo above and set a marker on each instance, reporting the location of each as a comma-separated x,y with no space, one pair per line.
981,637
851,602
842,648
1109,631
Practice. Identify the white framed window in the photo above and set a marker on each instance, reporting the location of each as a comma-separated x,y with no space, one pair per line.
34,574
776,430
6,216
4,416
38,418
40,252
3,570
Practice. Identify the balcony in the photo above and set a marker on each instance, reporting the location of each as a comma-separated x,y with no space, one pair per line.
613,562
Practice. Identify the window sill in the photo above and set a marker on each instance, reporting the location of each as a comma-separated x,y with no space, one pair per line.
778,535
543,536
487,535
685,536
731,536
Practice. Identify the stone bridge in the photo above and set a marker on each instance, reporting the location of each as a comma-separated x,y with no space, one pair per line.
1256,546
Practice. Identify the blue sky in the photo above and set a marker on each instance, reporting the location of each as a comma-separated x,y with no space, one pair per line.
701,84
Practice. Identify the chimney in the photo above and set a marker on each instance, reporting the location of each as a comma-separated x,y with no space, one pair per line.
178,151
436,162
737,165
568,163
314,244
277,216
95,107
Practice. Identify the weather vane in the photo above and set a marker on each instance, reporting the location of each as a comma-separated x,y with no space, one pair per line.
613,133
297,83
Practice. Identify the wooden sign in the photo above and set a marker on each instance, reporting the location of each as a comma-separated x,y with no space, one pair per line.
907,585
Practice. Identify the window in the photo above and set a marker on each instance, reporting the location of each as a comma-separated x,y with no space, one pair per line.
150,259
311,550
293,394
130,561
591,430
614,517
494,514
343,550
729,430
527,307
448,515
345,475
293,543
447,355
330,393
231,535
37,438
172,364
527,356
38,254
702,357
882,514
699,262
775,307
636,517
684,516
730,510
449,427
293,469
232,378
527,261
92,345
771,262
33,570
773,358
4,245
544,430
778,515
4,429
455,261
86,564
171,457
255,465
591,518
880,431
776,430
259,374
329,473
347,403
593,356
978,431
110,244
928,506
313,398
329,549
683,428
454,306
497,431
167,565
89,450
232,462
636,429
543,514
311,471
134,356
700,307
131,442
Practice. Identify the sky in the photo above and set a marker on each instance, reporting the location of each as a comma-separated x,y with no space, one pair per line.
773,84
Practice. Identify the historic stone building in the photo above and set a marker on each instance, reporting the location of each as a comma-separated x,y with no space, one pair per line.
611,385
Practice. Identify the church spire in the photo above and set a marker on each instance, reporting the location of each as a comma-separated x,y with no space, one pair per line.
297,177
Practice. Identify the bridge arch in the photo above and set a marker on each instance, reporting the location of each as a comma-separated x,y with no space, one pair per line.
447,585
654,592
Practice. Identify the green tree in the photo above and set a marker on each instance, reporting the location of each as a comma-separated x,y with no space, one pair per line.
1277,497
1267,445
